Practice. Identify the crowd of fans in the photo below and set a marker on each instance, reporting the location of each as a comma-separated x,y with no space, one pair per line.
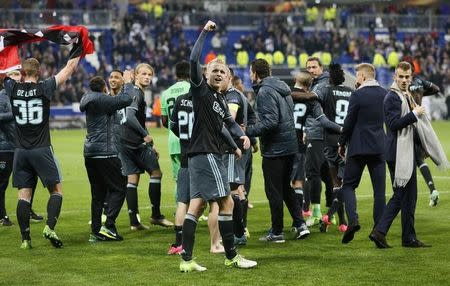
158,37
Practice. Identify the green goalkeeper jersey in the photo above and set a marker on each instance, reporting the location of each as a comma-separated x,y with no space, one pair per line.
167,101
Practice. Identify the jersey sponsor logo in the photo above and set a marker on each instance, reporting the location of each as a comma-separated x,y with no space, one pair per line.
217,108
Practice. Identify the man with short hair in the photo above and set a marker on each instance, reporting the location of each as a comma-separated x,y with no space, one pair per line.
316,168
238,107
181,124
363,137
247,156
168,99
116,83
138,154
206,170
100,156
406,122
335,108
302,109
237,83
278,148
34,155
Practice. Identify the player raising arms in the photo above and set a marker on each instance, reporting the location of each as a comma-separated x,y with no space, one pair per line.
34,155
206,169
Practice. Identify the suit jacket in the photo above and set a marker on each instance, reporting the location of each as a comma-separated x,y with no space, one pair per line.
394,123
363,131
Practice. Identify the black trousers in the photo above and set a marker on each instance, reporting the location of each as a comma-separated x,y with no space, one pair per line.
6,162
404,199
105,176
277,184
354,167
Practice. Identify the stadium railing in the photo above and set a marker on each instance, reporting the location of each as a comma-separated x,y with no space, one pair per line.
102,19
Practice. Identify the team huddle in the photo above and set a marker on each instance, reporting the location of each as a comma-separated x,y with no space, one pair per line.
318,131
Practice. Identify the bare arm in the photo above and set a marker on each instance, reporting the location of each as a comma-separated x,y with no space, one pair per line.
67,71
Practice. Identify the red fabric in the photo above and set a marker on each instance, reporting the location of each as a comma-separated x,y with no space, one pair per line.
10,39
9,59
88,45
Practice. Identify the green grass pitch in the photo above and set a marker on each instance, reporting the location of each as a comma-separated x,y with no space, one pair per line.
141,258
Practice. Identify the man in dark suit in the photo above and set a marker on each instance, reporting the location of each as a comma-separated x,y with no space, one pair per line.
363,134
401,112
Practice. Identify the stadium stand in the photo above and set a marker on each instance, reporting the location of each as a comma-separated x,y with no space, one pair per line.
285,32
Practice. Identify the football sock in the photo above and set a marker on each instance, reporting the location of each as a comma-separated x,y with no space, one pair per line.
178,234
244,212
154,192
53,209
238,225
316,210
306,196
299,196
425,170
226,231
188,236
132,202
23,217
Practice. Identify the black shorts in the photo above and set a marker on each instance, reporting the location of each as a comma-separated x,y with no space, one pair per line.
334,160
139,160
298,168
208,177
183,194
40,162
314,158
6,166
235,169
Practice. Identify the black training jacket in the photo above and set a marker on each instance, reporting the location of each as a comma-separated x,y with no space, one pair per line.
100,109
275,126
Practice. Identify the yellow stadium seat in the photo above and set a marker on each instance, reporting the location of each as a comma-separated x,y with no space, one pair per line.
291,61
278,58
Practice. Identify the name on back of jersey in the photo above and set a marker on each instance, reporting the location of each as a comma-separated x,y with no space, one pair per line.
186,102
26,93
342,93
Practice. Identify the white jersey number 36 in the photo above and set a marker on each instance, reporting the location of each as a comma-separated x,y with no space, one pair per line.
30,112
